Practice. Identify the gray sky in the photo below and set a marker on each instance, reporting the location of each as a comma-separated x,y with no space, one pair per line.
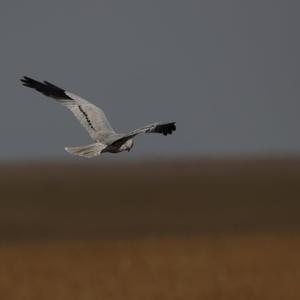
226,71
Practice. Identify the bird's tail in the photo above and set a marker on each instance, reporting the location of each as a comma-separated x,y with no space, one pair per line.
87,151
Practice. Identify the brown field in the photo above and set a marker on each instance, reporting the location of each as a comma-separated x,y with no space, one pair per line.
150,230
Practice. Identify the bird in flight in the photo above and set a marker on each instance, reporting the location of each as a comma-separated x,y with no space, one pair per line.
93,119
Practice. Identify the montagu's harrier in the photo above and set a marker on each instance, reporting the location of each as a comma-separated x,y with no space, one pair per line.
93,119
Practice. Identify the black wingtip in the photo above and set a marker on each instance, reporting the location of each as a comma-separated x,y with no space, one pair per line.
25,79
46,88
171,128
167,128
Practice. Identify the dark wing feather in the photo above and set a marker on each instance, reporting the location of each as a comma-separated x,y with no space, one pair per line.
46,88
165,129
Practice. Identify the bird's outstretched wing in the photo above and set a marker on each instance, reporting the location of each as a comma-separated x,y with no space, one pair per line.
163,128
91,117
